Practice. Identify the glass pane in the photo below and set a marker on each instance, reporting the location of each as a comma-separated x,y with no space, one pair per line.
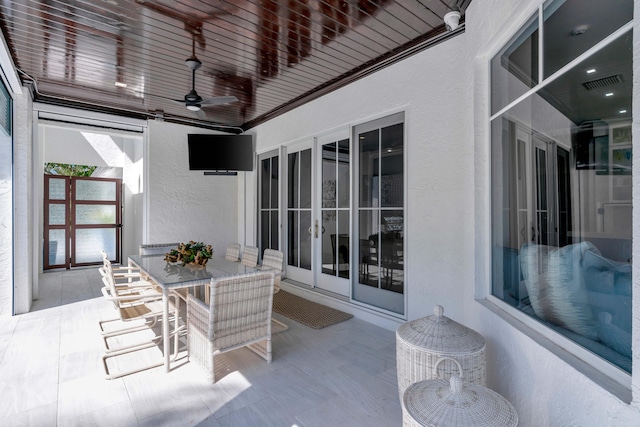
560,15
265,183
95,190
57,215
329,184
294,176
57,247
292,243
392,169
343,244
95,214
329,242
368,250
344,180
275,183
369,169
90,241
264,230
275,230
305,240
566,261
57,189
514,70
305,178
391,251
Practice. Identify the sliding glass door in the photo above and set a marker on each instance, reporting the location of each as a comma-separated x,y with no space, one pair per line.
333,243
342,215
380,218
301,225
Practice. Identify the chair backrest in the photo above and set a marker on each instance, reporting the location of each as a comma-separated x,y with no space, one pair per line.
233,252
250,256
109,289
273,259
240,308
156,248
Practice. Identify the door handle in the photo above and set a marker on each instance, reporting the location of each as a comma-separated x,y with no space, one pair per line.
316,228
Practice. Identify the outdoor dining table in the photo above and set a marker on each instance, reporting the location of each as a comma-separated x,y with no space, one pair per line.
171,276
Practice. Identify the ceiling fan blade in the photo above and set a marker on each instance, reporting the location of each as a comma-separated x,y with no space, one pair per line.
218,100
200,114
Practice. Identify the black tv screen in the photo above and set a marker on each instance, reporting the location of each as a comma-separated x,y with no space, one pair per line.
220,152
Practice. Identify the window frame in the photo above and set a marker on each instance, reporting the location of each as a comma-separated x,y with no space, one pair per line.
594,367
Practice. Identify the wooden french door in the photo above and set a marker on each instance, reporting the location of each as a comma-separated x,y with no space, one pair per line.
82,217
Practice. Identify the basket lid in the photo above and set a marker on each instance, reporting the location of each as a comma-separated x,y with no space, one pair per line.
452,403
439,333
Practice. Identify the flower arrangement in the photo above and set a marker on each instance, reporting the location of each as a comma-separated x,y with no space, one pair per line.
193,253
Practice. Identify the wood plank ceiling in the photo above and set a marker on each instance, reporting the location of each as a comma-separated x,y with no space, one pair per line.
271,55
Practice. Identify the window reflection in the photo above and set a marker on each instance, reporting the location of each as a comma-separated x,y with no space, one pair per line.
381,217
561,183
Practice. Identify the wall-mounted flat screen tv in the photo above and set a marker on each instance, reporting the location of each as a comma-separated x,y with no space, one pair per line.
215,152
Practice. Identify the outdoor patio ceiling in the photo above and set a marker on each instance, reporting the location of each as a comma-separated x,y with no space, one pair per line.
272,55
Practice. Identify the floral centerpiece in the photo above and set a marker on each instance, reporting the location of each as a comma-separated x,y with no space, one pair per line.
192,253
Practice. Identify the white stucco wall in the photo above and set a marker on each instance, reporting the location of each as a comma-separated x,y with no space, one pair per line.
185,205
23,203
447,211
6,224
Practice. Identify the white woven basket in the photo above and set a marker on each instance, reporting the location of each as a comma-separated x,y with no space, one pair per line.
455,403
421,343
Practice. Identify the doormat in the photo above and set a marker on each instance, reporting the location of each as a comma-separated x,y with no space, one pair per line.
309,313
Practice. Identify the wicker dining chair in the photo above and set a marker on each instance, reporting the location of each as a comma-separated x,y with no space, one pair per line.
273,259
233,252
238,315
250,256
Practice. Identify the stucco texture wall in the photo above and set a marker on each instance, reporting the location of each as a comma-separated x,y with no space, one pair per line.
447,205
185,205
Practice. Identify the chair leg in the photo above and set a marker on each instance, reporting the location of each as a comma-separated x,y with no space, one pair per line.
111,376
262,349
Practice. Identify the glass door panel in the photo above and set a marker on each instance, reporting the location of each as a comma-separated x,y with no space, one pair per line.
380,222
300,223
56,221
334,242
269,184
95,220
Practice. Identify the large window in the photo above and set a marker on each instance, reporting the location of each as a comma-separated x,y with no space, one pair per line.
561,173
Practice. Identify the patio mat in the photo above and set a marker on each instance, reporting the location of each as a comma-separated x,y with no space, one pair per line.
309,313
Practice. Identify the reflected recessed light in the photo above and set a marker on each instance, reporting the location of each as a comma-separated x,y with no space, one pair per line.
120,84
623,111
580,29
608,94
389,150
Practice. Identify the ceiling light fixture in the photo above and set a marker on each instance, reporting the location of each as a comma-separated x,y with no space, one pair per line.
623,111
120,84
591,70
608,94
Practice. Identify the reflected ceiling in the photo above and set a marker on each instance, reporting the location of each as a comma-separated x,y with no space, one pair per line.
271,55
